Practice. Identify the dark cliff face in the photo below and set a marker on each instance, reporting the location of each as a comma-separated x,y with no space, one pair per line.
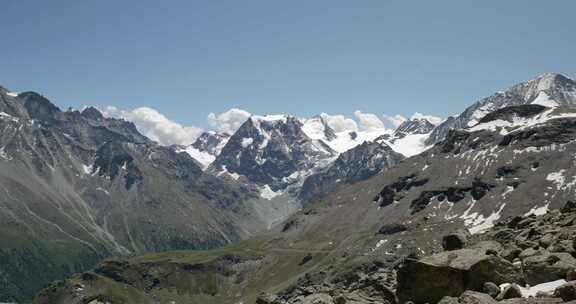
356,164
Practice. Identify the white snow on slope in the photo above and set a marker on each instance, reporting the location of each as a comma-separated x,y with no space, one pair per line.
411,144
481,224
267,193
13,94
269,118
204,158
538,210
247,142
544,100
520,123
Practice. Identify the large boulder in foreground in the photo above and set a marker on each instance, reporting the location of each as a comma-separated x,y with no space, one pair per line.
451,273
547,267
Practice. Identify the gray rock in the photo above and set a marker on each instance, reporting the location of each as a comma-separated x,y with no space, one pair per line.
491,289
567,291
548,267
473,297
455,240
450,273
266,298
528,252
546,240
509,292
449,300
511,252
570,206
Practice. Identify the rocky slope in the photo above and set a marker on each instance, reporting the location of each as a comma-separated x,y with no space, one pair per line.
354,165
78,187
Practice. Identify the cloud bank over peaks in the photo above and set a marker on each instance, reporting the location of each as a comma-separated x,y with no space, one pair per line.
229,121
159,128
395,121
340,123
432,119
368,121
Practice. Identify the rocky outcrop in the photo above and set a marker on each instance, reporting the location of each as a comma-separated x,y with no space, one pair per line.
451,273
354,165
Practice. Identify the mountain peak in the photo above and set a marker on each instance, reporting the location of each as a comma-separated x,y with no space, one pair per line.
38,106
92,113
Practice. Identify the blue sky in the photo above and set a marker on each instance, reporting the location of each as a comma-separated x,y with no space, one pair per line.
189,58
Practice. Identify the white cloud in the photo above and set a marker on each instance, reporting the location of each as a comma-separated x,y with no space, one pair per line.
395,120
368,121
432,119
228,121
159,128
339,123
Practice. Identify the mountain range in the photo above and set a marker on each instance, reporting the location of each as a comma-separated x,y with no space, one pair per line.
301,203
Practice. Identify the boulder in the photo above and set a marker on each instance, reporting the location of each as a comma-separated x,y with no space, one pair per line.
455,240
473,297
317,298
266,298
511,252
570,206
566,291
450,273
528,252
561,246
509,292
571,275
491,289
488,247
449,300
547,267
546,240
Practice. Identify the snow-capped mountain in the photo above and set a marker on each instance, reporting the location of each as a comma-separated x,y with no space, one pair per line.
372,156
548,89
206,147
272,151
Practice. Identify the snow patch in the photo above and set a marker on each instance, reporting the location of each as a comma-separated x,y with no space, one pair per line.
544,100
482,224
267,193
247,142
531,291
379,244
204,158
538,210
87,169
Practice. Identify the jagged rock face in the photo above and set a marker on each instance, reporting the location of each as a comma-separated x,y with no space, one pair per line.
211,142
548,89
354,165
414,126
268,150
78,187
